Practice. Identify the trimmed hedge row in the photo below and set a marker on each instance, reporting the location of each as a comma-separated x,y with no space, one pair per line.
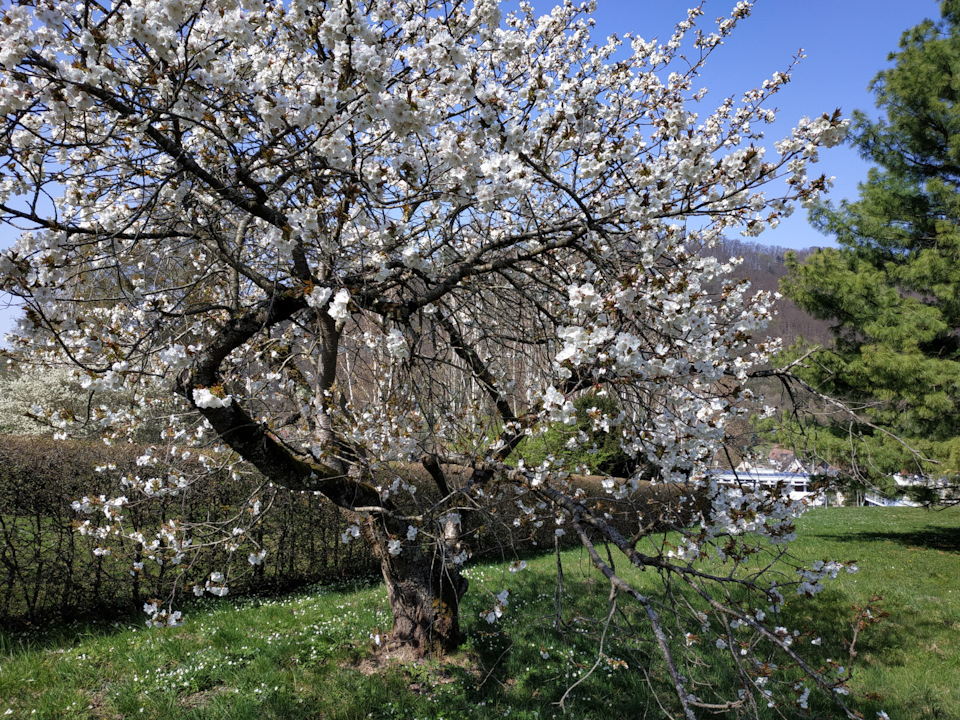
49,572
500,529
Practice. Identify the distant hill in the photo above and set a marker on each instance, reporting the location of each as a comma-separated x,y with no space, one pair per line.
763,266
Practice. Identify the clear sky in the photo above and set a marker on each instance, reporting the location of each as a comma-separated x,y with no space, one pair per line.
846,43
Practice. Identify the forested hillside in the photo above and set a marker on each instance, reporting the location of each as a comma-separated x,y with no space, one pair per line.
764,265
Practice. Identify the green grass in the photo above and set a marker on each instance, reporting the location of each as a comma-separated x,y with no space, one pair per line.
911,557
303,656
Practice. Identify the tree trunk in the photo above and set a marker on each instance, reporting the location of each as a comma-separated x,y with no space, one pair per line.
424,593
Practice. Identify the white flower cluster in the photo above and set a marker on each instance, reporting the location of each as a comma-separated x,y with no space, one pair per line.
110,507
338,309
176,357
204,398
397,346
501,600
318,297
215,585
811,578
160,617
350,534
557,407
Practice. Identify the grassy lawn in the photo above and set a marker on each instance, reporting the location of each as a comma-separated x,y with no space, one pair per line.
911,557
303,656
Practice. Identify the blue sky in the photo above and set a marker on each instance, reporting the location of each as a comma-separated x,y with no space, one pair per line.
846,43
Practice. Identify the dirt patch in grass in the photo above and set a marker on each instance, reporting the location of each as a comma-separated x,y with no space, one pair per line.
424,675
200,699
98,704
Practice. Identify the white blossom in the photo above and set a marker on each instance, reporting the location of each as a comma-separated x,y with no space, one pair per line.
350,534
338,309
397,345
203,398
318,297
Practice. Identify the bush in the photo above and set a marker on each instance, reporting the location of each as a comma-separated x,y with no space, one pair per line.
597,450
49,572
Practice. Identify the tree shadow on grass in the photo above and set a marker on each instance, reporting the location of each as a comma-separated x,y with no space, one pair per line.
932,537
23,637
532,662
887,650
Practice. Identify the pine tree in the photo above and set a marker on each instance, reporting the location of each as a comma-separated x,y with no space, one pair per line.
892,288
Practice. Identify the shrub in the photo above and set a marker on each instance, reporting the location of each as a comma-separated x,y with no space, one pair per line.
49,572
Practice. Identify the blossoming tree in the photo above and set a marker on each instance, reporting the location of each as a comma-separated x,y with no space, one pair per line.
359,236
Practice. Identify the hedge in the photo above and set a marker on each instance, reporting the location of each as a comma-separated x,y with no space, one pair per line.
49,572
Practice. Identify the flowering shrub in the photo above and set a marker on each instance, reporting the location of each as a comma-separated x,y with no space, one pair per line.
24,395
